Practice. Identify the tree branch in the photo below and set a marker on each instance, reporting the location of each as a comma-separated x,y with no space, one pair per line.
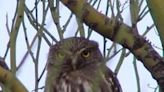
8,79
13,36
122,34
156,9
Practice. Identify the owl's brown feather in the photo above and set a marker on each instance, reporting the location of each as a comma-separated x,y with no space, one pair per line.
76,65
112,79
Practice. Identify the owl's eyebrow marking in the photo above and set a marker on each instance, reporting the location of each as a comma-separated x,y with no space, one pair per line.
64,51
81,50
67,52
87,48
91,47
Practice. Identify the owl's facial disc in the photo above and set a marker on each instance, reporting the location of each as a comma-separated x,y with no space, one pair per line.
74,53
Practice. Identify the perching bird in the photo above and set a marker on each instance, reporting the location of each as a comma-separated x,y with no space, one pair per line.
76,65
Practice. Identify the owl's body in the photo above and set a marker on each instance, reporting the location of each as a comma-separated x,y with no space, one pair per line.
76,65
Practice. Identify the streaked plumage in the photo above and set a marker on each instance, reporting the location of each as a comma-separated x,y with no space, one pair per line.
76,65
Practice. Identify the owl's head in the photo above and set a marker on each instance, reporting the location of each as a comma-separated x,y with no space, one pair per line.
74,53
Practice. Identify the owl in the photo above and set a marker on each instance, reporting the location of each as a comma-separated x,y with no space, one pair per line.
76,65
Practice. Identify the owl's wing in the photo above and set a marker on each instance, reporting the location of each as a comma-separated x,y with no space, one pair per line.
112,79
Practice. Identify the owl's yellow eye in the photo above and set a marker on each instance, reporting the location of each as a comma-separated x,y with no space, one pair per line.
86,53
61,55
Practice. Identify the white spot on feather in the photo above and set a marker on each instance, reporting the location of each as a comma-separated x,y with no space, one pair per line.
63,86
87,87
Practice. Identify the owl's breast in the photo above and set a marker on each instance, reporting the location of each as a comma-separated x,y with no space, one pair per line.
78,82
73,83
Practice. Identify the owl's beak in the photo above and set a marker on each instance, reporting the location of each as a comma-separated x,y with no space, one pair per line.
74,62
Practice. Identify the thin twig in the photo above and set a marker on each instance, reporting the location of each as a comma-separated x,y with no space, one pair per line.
121,59
137,75
16,24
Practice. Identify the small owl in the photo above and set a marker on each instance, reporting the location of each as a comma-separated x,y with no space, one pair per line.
77,65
